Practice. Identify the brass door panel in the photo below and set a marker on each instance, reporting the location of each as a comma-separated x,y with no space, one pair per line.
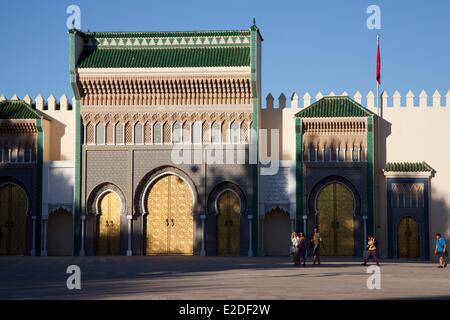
181,229
170,226
228,224
108,240
13,206
335,220
408,238
325,218
345,226
157,236
222,225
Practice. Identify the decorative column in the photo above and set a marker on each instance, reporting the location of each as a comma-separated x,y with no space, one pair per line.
304,218
250,250
83,222
129,251
261,232
202,251
44,236
33,238
364,234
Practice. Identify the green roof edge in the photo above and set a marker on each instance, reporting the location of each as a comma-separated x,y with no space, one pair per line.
39,114
408,167
364,109
150,34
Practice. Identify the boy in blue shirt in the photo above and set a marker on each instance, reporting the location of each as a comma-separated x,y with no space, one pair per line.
441,250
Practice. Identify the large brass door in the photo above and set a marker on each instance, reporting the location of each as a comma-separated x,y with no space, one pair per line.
408,242
108,224
228,224
169,221
335,220
13,220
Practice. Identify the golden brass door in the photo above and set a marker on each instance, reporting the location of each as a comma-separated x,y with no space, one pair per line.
228,224
408,241
13,220
108,224
335,220
181,231
169,221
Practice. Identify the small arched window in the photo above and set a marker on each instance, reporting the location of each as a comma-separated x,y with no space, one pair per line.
99,134
196,134
138,134
234,133
90,138
118,136
177,133
215,132
157,133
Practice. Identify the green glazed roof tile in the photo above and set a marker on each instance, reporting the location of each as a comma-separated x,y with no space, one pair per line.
17,109
334,107
407,167
166,34
166,57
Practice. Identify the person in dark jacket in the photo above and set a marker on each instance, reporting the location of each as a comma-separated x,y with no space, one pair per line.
371,250
302,248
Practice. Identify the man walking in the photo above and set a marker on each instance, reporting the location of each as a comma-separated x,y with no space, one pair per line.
441,250
371,250
316,242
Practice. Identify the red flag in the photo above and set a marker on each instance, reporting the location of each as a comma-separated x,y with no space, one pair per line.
378,61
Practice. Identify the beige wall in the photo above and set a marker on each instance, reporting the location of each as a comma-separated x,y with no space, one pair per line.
60,142
422,134
46,128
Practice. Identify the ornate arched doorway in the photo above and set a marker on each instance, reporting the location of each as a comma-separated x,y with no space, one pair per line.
60,233
108,224
277,231
13,220
408,241
169,222
335,207
228,224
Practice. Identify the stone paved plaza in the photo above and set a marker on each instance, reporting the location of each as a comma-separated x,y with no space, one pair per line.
175,277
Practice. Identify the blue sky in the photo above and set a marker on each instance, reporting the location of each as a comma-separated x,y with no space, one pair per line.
308,45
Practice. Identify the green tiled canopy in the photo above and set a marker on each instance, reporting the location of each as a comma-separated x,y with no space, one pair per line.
407,167
165,57
334,107
17,109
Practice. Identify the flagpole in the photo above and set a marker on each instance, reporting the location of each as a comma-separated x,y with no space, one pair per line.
378,99
378,84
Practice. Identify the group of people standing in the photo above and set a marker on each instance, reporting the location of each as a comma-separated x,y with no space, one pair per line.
299,249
